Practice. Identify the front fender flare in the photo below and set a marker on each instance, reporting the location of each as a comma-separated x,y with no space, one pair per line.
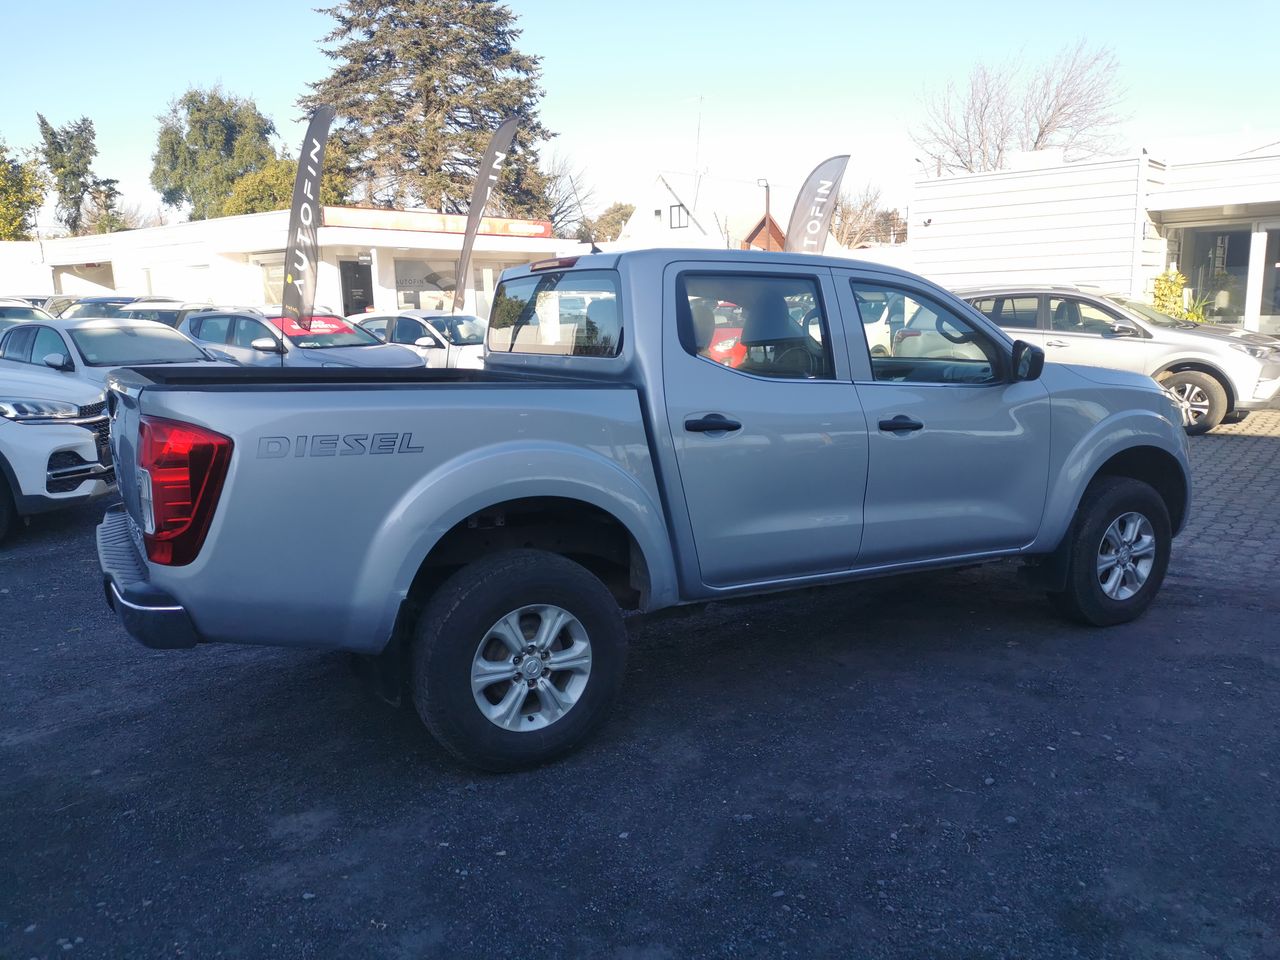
1108,437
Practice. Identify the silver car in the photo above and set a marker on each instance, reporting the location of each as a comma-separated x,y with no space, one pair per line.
254,339
442,339
1221,373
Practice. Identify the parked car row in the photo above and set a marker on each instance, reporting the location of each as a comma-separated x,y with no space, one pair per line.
53,426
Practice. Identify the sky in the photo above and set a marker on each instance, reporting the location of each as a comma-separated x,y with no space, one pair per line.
734,90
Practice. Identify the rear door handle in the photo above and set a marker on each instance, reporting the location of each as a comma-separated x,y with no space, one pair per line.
1055,343
711,423
901,423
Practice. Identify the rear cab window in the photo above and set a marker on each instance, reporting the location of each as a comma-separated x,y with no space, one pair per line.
566,313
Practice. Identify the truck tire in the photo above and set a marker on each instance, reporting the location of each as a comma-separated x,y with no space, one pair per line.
1208,398
1118,553
517,658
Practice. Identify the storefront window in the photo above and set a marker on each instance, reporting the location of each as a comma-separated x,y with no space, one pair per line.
424,284
1215,261
272,281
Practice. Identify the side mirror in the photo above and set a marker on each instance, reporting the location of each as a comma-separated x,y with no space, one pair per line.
428,342
58,361
1121,329
1028,361
267,345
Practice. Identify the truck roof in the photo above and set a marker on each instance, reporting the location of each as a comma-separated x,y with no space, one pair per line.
612,260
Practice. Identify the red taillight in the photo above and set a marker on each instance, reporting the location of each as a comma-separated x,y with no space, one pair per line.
181,470
556,263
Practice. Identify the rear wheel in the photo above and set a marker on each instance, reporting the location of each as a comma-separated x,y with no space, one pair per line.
1118,553
517,659
1206,397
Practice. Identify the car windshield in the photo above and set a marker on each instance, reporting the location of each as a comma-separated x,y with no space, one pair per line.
78,311
461,331
1150,313
116,346
12,314
325,332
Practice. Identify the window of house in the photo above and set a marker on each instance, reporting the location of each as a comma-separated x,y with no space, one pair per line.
782,325
679,216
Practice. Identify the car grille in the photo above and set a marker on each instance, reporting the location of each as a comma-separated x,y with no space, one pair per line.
93,409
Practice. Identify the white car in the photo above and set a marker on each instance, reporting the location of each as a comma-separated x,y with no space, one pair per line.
90,349
54,450
442,339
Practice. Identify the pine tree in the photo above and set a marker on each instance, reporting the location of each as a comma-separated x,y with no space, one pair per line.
418,86
68,153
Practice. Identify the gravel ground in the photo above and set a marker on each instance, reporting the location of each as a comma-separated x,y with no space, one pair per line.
928,767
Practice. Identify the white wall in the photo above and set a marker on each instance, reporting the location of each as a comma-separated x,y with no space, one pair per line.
1074,223
22,270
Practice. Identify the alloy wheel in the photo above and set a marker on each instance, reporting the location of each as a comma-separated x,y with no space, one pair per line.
1126,555
531,668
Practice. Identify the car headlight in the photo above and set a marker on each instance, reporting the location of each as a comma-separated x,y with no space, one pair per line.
1258,353
29,410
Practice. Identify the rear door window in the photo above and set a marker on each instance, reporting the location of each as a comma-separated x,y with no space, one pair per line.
783,330
213,329
572,313
1017,312
17,344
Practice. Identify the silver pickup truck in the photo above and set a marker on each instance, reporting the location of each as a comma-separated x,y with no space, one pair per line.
651,428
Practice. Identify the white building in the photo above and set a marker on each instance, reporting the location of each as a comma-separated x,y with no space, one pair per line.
386,259
1116,224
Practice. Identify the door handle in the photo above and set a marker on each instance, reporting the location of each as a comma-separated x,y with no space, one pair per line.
901,423
1055,343
711,423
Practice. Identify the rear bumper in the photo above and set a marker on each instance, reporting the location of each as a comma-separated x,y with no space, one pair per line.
151,616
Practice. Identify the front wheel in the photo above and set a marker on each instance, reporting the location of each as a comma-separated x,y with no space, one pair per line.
518,658
1118,553
1203,394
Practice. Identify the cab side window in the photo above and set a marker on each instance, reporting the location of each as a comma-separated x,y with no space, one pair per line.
407,331
47,341
762,324
248,330
1068,315
934,343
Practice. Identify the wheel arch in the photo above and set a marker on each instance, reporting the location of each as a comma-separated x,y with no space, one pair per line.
1200,366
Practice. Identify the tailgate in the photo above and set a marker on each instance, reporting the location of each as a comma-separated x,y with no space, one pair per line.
124,387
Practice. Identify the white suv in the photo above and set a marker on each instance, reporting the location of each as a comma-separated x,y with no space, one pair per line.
1220,373
54,449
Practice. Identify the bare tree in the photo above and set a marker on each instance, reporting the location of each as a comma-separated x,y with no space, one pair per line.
853,219
1068,103
566,195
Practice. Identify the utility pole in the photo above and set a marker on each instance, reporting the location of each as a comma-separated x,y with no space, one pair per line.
768,234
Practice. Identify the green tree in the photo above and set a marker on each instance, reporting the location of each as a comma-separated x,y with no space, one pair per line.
608,225
68,153
271,188
22,191
102,213
208,140
417,87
